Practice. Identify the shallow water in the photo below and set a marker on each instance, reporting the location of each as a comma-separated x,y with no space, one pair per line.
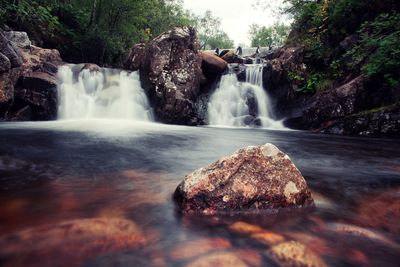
54,175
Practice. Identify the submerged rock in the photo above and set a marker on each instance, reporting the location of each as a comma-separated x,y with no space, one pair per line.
293,253
253,178
222,259
70,243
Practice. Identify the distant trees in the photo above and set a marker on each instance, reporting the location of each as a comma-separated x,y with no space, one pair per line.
101,31
210,34
268,36
98,31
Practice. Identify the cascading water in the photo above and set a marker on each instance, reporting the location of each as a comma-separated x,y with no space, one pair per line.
236,103
108,93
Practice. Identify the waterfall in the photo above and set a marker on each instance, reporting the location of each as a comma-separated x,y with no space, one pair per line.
108,93
236,103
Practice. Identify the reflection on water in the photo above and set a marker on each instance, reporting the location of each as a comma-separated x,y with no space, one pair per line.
98,193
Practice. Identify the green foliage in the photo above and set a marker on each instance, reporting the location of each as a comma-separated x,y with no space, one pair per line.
268,36
99,31
309,83
210,34
379,49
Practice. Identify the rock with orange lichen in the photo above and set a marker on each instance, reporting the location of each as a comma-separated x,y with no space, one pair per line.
220,259
70,243
380,211
257,233
198,247
293,254
253,178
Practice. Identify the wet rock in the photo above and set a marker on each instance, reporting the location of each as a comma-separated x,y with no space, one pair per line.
268,238
294,254
257,233
5,64
72,242
384,121
221,259
231,57
91,67
31,83
212,65
172,73
245,228
7,50
380,210
24,114
250,257
136,57
198,247
330,105
356,231
39,81
18,39
253,178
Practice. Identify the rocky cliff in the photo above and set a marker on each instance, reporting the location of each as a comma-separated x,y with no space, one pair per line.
28,85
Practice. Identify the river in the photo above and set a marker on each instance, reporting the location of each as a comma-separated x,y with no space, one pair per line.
55,176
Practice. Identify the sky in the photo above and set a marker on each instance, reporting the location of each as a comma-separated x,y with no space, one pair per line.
237,15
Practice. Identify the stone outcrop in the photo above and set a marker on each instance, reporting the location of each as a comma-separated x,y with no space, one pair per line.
253,178
136,57
349,107
212,65
28,87
276,80
381,121
171,72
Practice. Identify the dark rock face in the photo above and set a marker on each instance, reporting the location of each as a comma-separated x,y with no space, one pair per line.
384,121
253,178
276,80
171,73
28,91
330,105
136,57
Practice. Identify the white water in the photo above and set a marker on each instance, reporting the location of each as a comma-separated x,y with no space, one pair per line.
229,105
108,93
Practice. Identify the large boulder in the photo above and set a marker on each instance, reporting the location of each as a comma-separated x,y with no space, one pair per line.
171,74
18,39
8,50
136,57
27,79
253,178
212,65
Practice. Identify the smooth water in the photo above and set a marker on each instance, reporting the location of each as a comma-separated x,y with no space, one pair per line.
98,193
232,101
109,93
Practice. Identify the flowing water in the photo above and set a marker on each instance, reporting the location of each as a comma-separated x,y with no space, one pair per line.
98,193
236,103
109,93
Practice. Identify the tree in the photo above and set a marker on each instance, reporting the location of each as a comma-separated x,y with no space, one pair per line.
210,35
268,36
98,31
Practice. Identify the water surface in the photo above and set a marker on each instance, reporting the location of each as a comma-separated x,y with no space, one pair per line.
99,175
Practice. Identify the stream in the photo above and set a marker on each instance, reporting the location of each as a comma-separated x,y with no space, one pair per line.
117,177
